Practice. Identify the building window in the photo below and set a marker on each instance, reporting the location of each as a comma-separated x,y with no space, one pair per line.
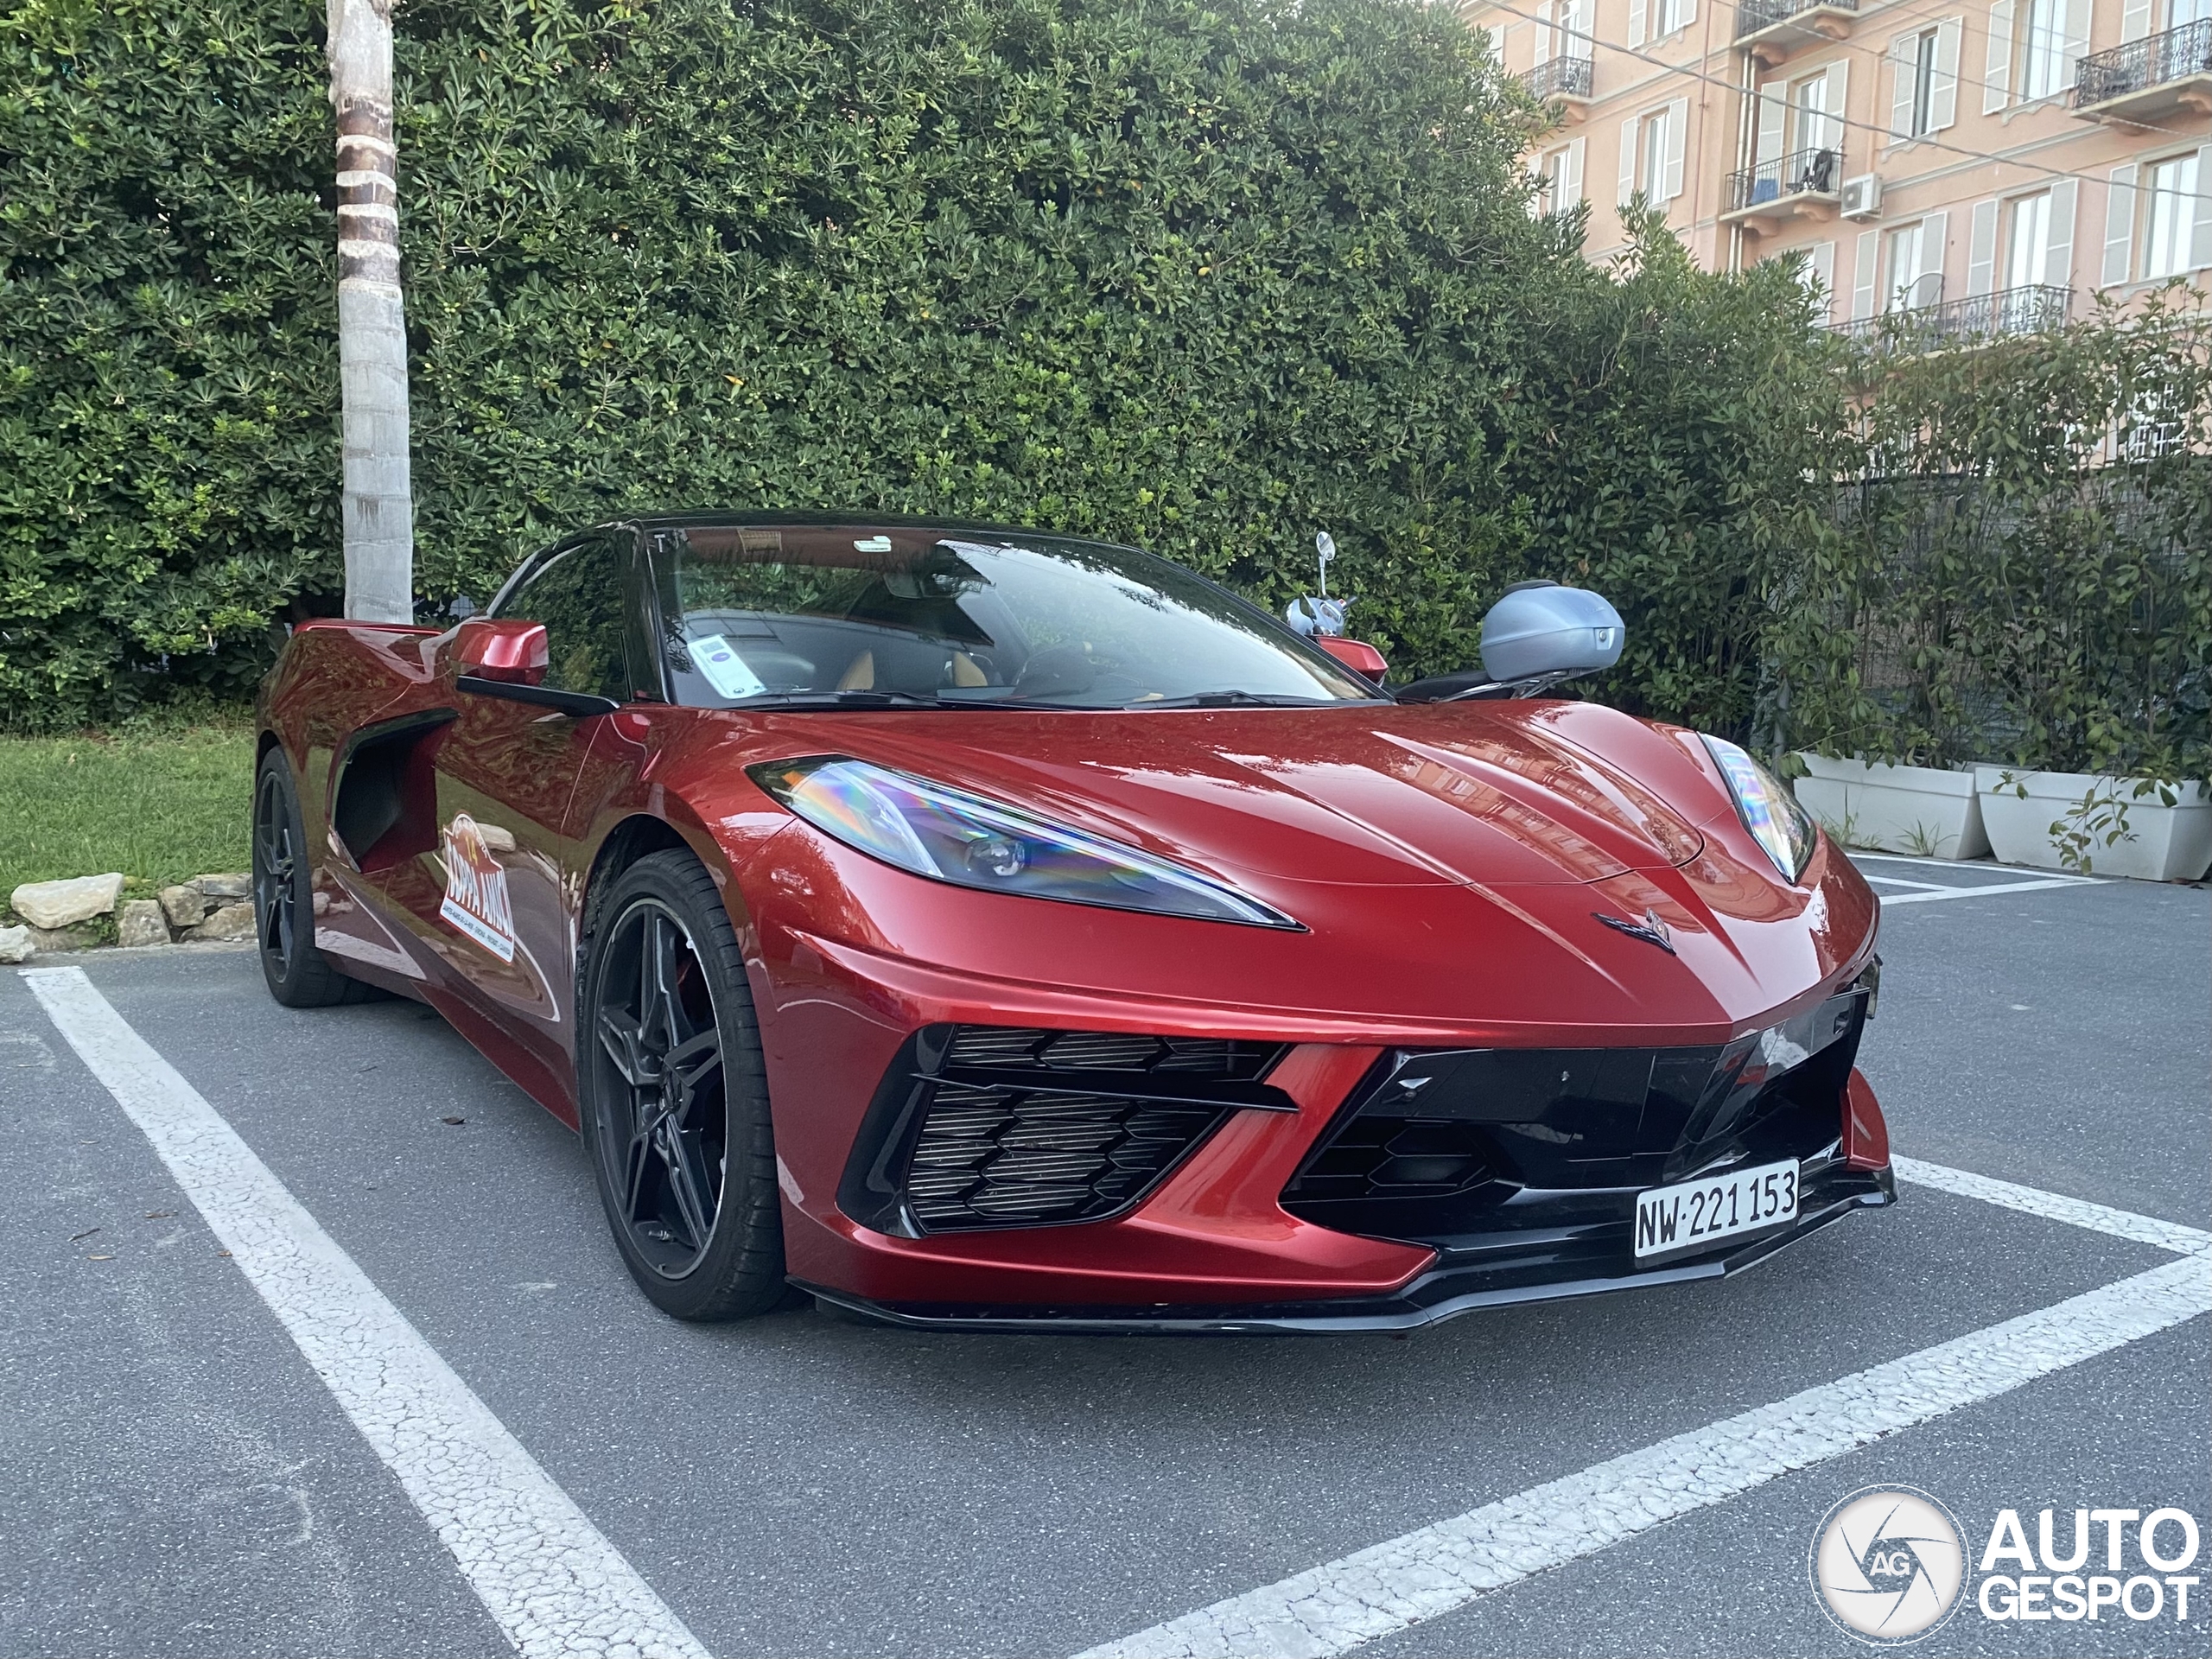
1651,150
2027,248
1668,15
2044,69
1816,128
1901,260
1559,179
1923,68
2170,194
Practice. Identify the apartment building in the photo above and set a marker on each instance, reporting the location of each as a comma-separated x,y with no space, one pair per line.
1980,165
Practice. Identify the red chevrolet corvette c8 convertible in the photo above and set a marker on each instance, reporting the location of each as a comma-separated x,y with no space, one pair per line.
983,929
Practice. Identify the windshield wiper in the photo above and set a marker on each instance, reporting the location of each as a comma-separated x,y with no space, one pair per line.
1235,700
805,700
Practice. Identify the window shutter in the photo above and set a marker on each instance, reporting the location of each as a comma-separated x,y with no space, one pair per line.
1570,176
1905,65
1928,281
1678,127
2058,235
1834,87
2199,233
1981,249
1862,273
1629,132
2119,227
1545,49
1637,35
2077,36
1943,91
1820,263
1773,114
2134,21
1997,71
1685,13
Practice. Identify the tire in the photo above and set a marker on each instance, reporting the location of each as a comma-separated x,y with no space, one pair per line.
298,975
674,1097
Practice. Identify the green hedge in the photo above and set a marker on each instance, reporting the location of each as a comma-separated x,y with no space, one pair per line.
1206,276
2022,572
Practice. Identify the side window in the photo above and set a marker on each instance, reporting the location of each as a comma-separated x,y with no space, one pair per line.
577,593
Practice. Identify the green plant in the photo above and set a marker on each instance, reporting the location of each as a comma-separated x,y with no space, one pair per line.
1926,840
162,800
2022,569
1206,276
2098,819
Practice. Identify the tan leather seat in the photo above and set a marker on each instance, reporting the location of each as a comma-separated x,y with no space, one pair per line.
859,673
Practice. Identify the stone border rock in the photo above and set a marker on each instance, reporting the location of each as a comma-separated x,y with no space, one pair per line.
53,915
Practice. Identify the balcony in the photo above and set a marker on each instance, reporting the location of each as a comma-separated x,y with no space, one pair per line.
2029,309
1772,30
2160,74
1564,81
1800,185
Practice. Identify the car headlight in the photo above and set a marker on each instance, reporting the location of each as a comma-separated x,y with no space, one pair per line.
1769,810
948,836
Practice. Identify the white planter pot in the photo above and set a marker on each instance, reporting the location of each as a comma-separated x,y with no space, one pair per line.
1922,810
2168,843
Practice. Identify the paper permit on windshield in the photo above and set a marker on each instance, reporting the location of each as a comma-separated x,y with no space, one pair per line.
724,669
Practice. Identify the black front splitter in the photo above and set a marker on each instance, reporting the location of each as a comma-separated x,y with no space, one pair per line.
1441,1293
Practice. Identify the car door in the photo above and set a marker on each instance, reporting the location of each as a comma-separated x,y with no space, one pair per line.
498,899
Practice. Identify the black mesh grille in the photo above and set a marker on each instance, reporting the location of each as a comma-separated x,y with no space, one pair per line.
1398,1157
1010,1157
1011,1047
991,1126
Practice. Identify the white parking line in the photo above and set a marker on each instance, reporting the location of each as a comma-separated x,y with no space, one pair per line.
1936,892
1431,1571
1857,857
1978,892
2056,1206
552,1581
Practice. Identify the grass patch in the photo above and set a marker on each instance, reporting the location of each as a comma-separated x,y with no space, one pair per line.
161,801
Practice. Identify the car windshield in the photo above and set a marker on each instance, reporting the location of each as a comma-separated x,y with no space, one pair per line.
853,615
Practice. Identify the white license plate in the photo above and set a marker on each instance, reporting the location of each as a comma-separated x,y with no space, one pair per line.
1691,1215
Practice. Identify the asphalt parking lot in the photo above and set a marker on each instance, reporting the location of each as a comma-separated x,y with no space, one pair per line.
179,1479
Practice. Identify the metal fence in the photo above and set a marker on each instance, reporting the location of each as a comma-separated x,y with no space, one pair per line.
1961,580
1802,172
1752,15
2141,64
2027,309
1568,77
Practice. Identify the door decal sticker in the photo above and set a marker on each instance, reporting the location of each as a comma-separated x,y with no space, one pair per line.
476,889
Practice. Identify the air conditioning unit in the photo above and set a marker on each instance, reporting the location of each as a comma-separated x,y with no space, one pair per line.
1861,198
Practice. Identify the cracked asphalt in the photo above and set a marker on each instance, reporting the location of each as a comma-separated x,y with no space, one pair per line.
175,1479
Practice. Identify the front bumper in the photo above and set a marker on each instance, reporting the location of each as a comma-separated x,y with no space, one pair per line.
1336,1190
1541,1265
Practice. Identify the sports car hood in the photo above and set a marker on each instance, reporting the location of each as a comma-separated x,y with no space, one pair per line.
1461,872
1435,795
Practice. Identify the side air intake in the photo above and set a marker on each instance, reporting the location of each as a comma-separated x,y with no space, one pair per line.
993,1126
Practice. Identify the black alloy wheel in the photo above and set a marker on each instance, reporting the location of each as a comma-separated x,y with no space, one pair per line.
298,975
675,1098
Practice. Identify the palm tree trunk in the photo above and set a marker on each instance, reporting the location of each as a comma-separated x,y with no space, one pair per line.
378,508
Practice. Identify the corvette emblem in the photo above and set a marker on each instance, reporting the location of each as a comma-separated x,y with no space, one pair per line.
1650,930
